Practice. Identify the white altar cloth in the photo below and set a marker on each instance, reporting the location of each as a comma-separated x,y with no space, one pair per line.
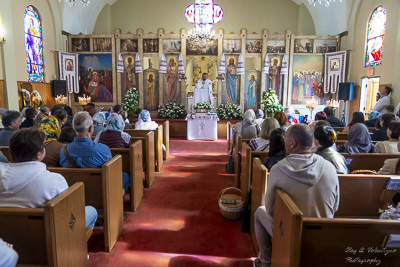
202,126
201,95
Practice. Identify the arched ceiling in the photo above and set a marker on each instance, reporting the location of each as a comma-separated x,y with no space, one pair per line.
327,20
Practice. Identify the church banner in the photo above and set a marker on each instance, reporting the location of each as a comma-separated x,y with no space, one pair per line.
69,70
335,70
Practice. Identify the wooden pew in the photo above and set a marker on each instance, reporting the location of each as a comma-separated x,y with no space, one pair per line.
246,167
340,129
259,187
148,156
132,164
103,191
6,152
54,235
306,241
166,139
363,195
158,142
368,161
238,148
230,128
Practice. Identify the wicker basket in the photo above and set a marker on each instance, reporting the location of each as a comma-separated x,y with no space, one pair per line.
231,211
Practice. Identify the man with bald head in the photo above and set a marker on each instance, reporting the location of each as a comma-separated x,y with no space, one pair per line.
309,180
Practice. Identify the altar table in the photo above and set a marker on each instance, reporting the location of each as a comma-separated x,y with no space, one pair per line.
202,126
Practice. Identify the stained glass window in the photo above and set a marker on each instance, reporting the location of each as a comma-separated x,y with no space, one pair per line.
204,14
33,45
375,37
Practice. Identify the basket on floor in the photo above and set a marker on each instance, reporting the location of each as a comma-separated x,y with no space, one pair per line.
231,211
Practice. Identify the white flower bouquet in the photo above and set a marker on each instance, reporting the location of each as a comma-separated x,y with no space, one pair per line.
172,111
131,102
230,111
271,102
204,105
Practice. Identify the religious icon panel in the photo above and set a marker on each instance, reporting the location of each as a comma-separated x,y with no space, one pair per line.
230,94
150,89
80,44
325,46
202,47
129,77
254,46
303,45
129,45
204,65
172,92
274,77
307,79
150,45
102,45
232,46
251,89
95,71
276,46
171,46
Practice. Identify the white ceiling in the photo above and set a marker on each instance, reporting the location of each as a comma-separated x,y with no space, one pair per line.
327,20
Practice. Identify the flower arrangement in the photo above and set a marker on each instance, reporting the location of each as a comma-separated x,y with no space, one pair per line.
391,213
230,111
27,96
172,111
131,102
204,105
271,102
36,97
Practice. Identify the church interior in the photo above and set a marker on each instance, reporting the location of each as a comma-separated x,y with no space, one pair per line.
106,51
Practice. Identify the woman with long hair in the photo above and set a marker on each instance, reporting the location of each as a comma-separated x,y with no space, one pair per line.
358,117
277,148
262,143
390,146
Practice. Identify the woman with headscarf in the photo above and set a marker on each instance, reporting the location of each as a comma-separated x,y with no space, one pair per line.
259,117
113,136
359,141
98,123
372,118
246,128
144,122
51,127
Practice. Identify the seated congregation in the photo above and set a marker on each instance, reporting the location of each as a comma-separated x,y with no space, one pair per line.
50,156
305,167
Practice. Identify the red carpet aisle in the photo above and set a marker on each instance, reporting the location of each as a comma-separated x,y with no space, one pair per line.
178,222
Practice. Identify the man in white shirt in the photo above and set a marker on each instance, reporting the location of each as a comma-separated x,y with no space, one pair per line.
203,92
384,100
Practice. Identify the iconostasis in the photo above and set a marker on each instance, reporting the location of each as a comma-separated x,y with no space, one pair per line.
109,65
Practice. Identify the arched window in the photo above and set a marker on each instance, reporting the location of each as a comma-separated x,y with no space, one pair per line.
204,14
33,45
375,37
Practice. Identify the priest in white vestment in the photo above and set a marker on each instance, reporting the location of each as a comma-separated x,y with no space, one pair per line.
203,92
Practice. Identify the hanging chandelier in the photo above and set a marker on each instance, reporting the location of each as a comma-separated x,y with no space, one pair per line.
74,2
196,35
203,14
327,2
